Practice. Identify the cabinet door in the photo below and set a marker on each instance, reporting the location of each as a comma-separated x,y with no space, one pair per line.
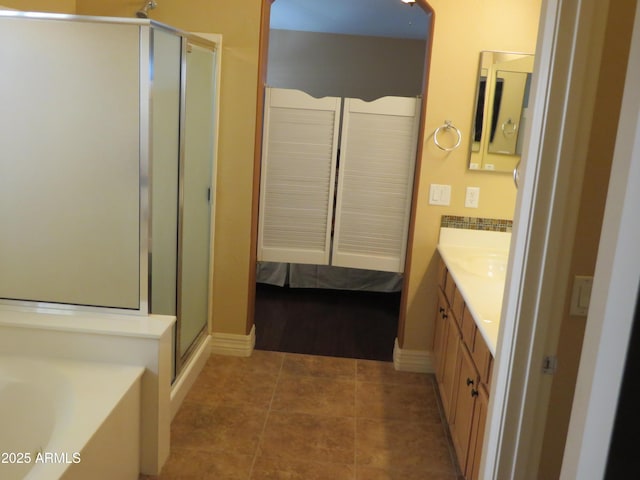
477,435
450,367
467,390
439,335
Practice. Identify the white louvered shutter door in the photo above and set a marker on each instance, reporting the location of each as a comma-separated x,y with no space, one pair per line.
375,183
297,177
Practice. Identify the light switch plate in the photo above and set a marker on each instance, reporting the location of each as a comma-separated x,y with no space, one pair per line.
472,197
581,295
439,194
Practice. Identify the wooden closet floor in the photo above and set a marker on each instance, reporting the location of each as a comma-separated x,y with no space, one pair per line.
338,323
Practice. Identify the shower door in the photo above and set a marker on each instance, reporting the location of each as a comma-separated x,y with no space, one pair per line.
195,197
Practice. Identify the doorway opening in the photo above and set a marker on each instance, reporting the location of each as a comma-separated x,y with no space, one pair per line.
355,313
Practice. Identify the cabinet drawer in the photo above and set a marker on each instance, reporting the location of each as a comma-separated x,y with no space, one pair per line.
449,288
442,275
458,306
481,356
468,328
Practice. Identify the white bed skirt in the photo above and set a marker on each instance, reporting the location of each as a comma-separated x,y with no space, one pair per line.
326,276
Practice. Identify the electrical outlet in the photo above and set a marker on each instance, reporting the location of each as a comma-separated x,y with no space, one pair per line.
472,197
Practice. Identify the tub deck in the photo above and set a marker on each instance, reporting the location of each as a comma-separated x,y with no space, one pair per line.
68,419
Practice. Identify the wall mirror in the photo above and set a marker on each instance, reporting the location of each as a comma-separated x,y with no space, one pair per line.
500,113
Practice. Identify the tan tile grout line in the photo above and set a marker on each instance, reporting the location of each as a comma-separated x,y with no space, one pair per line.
266,419
445,430
355,416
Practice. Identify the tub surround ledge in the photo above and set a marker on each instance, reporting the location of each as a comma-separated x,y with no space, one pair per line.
136,340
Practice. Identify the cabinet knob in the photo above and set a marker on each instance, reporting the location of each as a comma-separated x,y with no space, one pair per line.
469,382
444,315
474,392
441,310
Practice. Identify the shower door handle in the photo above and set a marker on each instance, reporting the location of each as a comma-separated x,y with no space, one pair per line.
516,174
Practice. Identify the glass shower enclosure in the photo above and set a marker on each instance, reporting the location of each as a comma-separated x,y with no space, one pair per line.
107,169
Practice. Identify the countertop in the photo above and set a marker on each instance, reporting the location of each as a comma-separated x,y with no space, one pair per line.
477,262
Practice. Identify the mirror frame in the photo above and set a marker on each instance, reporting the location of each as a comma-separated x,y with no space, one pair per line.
480,157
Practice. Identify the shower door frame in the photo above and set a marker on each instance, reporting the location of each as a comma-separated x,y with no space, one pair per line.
144,46
212,42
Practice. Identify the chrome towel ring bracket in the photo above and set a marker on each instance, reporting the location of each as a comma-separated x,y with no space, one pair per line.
509,128
446,127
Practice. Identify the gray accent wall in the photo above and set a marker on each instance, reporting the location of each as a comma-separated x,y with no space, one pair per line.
325,64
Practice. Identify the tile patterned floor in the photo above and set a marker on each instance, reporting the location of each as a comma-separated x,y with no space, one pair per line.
280,416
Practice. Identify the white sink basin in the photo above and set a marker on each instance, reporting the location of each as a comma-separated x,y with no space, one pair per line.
477,261
492,265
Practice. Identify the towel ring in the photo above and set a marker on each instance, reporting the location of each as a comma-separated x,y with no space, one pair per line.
509,127
447,126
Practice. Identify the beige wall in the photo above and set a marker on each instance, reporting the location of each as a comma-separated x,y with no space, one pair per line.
459,36
238,22
55,6
587,238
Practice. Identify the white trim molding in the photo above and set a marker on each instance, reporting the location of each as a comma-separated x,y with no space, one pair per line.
233,344
405,360
190,372
614,296
569,46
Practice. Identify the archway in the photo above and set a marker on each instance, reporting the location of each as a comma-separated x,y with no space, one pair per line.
262,76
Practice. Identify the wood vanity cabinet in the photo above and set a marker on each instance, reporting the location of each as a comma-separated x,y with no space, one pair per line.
440,334
445,348
463,364
447,385
467,380
477,434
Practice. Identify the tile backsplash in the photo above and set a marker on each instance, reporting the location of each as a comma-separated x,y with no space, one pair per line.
476,223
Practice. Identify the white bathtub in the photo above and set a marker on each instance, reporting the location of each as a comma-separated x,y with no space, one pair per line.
62,419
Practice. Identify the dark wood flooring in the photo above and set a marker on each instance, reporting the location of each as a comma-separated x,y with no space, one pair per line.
336,323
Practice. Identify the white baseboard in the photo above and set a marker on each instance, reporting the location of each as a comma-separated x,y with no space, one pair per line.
412,360
233,344
188,376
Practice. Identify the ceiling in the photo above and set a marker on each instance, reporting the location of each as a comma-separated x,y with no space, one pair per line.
380,18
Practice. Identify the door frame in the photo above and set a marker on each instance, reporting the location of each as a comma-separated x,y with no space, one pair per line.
570,38
614,297
570,41
181,362
265,17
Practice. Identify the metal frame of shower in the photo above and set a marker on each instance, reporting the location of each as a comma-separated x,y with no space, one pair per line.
187,40
146,29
